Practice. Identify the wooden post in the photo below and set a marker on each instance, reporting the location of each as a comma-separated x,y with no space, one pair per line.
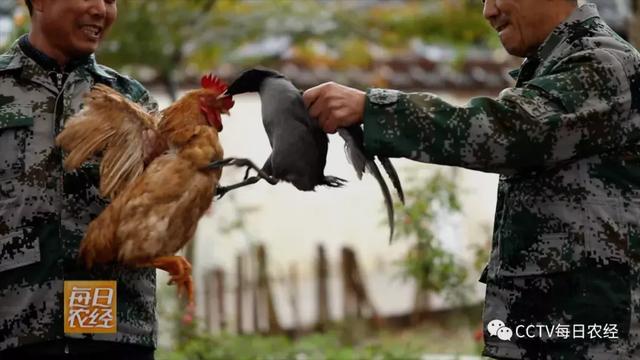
239,294
253,281
349,306
322,273
265,295
220,294
356,298
293,297
208,306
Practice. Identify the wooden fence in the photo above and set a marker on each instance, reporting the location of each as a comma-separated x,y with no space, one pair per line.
254,298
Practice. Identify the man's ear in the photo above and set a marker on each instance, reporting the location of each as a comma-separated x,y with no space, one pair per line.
38,5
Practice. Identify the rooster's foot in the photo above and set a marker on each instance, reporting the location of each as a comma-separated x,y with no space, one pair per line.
180,270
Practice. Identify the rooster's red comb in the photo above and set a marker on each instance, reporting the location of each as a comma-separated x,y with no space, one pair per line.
214,83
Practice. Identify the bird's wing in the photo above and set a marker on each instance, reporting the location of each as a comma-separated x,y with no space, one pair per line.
112,125
372,168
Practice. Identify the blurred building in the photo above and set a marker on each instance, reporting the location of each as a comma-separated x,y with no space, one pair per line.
7,9
616,13
634,32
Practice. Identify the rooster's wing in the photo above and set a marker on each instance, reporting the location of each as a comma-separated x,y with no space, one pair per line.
113,125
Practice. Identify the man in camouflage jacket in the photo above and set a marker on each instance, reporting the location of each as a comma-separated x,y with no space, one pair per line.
45,210
563,280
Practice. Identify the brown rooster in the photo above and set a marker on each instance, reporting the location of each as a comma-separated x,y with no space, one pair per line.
154,209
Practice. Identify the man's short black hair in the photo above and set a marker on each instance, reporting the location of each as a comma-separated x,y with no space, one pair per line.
29,6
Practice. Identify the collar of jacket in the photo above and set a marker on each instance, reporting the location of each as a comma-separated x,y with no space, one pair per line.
15,59
46,62
564,32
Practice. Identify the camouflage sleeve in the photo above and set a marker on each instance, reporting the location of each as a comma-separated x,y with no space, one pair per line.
148,102
135,91
143,97
578,109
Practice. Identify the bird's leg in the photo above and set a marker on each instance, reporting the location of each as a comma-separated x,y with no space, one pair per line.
261,173
220,163
180,270
239,162
222,190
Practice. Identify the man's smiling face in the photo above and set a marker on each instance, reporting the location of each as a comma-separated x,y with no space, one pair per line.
76,27
523,25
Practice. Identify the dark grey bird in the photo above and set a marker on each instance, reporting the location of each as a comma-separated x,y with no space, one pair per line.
299,145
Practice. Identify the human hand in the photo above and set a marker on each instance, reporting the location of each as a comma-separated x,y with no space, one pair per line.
335,105
152,146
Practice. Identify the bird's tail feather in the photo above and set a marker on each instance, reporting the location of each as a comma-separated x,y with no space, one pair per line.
393,175
372,168
353,148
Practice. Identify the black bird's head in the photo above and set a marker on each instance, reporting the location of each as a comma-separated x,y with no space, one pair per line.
250,80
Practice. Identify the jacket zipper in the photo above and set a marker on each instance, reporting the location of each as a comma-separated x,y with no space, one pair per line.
59,83
59,104
58,78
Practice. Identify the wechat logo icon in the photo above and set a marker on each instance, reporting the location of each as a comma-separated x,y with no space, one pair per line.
498,328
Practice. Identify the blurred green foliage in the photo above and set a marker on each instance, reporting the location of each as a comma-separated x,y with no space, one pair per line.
435,21
255,347
427,202
21,25
177,36
450,332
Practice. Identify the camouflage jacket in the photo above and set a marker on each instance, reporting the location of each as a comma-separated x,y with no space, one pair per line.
564,139
44,210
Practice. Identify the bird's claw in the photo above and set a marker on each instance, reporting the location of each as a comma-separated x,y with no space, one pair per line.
240,162
222,190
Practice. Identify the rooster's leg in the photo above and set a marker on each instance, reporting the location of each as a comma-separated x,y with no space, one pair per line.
180,270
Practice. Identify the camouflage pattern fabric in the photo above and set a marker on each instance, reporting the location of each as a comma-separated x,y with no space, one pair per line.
44,210
566,242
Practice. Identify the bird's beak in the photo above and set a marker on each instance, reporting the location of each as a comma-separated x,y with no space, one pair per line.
227,103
